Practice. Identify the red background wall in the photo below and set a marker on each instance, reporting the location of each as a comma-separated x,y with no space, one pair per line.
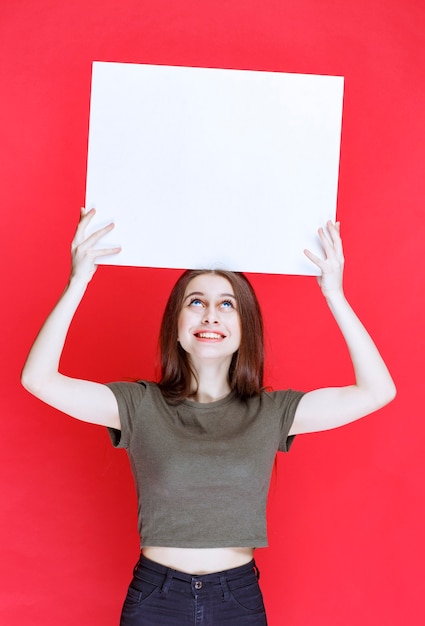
346,511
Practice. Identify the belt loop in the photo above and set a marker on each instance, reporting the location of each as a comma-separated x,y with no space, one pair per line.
225,588
136,566
257,572
167,582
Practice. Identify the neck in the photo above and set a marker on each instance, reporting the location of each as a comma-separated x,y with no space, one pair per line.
211,382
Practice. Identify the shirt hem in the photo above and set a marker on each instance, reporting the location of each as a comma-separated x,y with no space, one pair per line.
204,546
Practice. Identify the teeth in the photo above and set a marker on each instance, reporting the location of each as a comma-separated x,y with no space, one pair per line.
210,336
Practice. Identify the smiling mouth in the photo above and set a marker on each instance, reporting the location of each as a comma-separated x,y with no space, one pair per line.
209,335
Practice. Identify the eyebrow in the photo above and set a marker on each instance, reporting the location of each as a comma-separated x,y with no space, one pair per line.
200,293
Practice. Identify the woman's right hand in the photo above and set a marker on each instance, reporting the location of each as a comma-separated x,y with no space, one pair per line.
83,248
83,399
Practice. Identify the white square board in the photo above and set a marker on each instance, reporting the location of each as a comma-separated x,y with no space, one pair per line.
203,168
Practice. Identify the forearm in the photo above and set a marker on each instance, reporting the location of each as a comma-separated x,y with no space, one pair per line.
371,373
43,359
330,407
42,365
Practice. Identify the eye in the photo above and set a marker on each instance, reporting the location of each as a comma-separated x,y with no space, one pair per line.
227,304
195,302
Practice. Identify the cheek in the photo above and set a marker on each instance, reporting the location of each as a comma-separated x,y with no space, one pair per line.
239,338
183,323
238,331
179,327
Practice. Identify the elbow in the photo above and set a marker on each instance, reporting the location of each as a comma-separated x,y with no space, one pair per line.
392,392
30,382
387,395
39,382
26,381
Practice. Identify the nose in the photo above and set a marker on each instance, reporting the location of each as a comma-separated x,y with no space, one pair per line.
210,316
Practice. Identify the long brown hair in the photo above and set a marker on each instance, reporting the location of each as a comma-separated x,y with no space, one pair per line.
247,364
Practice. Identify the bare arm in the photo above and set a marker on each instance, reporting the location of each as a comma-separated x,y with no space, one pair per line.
84,400
327,408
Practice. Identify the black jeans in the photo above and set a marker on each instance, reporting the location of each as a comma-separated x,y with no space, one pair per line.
161,596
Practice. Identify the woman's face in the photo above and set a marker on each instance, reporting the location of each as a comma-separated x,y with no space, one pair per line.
209,324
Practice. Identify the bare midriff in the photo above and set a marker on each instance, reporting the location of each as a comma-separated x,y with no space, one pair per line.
199,560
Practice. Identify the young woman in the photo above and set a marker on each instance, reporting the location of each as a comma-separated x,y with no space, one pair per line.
202,441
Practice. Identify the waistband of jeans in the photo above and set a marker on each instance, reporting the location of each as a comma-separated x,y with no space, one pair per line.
156,573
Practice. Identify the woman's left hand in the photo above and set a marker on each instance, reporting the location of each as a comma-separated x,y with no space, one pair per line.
329,407
332,266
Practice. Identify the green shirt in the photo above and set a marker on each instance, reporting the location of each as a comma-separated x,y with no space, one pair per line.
202,470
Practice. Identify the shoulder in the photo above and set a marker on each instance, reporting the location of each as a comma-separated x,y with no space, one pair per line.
273,401
284,401
130,392
281,395
130,386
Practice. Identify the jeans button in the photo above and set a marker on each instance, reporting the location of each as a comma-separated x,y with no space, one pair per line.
198,584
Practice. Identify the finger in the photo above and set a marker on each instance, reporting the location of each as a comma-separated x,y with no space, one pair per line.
101,232
334,231
85,218
92,239
332,227
104,251
87,213
315,259
326,243
333,247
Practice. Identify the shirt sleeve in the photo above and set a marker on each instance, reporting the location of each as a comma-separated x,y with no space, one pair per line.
129,398
288,401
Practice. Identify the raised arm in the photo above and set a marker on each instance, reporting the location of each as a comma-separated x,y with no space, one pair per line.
84,400
330,407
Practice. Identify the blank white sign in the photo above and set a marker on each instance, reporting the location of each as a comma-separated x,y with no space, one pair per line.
204,168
